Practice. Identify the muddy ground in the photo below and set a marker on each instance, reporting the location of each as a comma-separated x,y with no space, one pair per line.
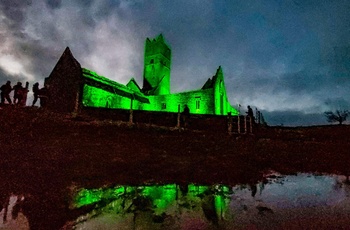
43,154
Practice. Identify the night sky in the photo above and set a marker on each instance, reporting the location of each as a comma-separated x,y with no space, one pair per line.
290,59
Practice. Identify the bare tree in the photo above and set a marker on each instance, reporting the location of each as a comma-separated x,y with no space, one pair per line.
339,116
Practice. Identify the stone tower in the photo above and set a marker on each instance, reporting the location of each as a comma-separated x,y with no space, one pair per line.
157,62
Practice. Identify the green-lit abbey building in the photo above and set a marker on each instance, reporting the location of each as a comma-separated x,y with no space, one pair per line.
72,87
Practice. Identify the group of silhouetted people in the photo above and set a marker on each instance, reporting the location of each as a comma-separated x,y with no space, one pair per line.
19,92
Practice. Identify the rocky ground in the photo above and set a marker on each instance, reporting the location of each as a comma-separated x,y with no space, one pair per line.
43,154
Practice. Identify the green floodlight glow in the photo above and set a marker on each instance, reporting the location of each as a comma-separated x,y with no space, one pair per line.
157,62
113,193
103,92
98,78
87,197
91,196
222,199
162,196
196,190
221,204
96,97
155,96
119,190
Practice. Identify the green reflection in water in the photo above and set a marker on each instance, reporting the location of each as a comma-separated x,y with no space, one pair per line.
160,197
196,190
222,199
86,197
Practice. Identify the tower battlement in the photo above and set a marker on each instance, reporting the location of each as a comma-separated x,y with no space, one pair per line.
157,63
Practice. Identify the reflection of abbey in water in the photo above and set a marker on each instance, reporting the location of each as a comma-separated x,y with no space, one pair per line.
154,206
72,87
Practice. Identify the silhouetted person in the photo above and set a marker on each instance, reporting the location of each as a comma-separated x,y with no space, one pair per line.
35,92
250,112
18,93
250,115
186,111
43,96
185,115
5,92
254,189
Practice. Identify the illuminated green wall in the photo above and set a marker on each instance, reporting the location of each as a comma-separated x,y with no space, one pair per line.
211,99
221,103
102,92
96,97
205,101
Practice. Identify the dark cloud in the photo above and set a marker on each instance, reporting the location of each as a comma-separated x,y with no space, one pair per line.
54,3
46,58
294,118
301,82
4,77
337,103
14,11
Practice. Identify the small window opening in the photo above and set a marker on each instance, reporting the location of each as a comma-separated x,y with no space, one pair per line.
197,104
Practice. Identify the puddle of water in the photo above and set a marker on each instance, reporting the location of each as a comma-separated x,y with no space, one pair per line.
278,202
303,190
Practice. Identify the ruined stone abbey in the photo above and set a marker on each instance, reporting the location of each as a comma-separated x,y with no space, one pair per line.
73,87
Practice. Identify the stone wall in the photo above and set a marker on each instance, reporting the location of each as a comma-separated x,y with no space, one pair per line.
198,101
96,97
64,84
194,122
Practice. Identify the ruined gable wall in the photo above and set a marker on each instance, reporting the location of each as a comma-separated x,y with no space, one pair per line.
221,102
64,84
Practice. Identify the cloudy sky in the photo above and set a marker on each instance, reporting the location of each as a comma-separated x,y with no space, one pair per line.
290,58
